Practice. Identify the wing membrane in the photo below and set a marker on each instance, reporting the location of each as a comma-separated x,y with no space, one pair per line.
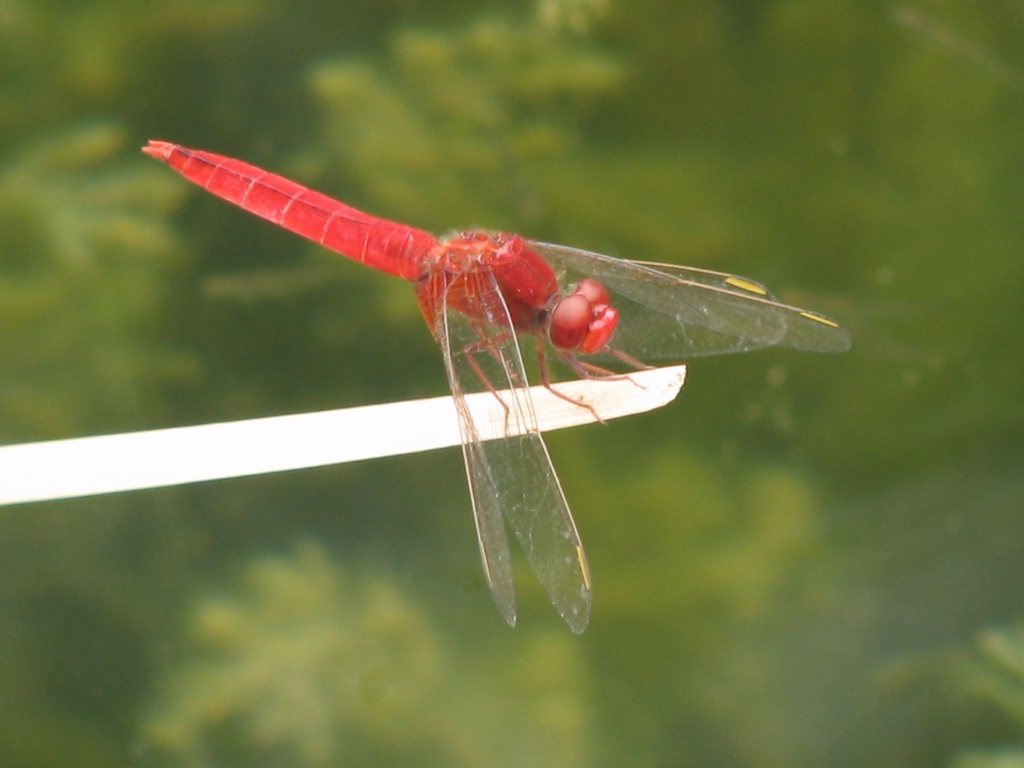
511,478
670,311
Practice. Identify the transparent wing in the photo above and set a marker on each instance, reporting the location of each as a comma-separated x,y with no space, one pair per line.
511,478
670,311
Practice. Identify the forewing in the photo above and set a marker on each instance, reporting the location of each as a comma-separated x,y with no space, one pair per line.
484,489
669,311
512,477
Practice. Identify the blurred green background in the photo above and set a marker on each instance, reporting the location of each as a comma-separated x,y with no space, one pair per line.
806,560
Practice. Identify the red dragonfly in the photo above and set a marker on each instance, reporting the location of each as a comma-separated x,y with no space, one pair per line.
477,291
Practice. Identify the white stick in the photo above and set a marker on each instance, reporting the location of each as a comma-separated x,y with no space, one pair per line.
90,465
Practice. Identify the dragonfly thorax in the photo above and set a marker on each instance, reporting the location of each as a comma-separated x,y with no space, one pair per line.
486,275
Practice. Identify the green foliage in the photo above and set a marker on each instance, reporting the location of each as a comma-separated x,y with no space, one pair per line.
995,676
87,252
468,114
307,663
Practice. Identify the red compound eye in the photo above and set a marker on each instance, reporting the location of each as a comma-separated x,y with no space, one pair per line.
601,329
594,292
570,322
583,320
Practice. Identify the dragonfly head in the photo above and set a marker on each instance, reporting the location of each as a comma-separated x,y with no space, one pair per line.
584,320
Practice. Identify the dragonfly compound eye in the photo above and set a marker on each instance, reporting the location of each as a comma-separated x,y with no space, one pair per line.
570,322
583,320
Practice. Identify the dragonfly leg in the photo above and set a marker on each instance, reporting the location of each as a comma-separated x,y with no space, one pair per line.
586,370
578,366
640,365
469,353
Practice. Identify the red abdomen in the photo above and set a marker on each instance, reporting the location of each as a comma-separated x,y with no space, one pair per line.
385,245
